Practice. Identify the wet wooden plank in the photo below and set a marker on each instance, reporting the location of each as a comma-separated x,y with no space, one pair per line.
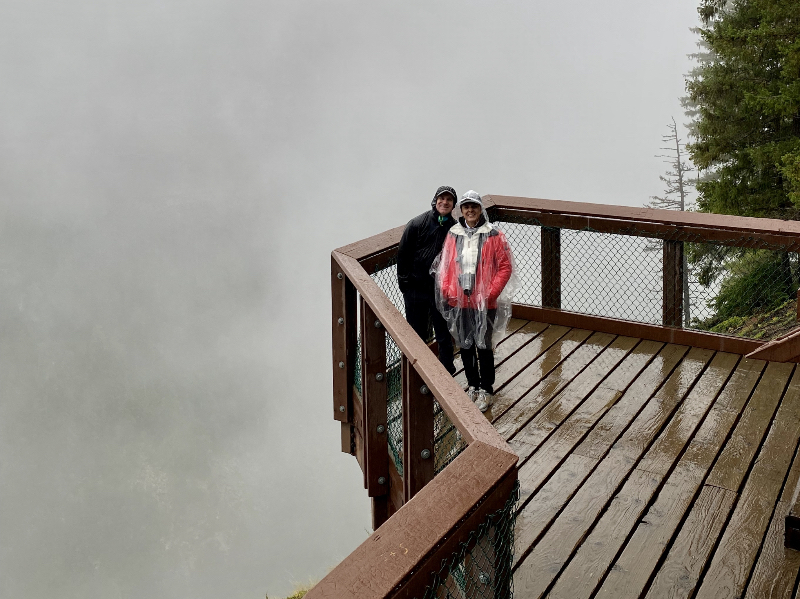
514,364
677,577
637,562
776,571
520,336
593,559
537,571
576,391
620,415
661,456
536,467
586,387
521,349
735,556
537,515
733,463
557,379
530,365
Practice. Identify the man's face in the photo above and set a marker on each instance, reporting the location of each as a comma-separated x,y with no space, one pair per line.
445,204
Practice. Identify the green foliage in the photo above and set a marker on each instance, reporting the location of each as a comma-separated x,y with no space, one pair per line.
745,99
757,282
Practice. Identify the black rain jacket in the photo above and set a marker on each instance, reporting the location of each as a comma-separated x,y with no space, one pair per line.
421,242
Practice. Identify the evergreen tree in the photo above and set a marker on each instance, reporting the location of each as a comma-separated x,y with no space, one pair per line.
744,97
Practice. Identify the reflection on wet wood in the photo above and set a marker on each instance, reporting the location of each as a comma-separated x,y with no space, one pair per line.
678,575
730,469
737,551
532,398
775,573
647,469
637,562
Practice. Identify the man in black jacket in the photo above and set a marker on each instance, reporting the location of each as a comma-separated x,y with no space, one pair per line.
421,243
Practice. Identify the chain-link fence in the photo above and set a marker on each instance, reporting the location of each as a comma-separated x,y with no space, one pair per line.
481,567
740,286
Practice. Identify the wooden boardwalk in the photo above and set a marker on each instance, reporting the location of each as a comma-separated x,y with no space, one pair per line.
647,469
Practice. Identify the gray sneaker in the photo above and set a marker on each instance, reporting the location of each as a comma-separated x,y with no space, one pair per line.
472,393
484,400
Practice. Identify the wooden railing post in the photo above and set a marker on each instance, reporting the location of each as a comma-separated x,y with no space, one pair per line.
343,334
672,302
418,456
551,267
374,394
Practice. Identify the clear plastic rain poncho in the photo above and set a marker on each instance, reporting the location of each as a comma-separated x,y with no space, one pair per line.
475,283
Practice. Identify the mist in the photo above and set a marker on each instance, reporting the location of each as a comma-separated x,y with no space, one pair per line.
173,177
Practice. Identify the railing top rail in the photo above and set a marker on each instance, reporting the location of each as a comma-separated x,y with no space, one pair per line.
462,413
583,215
666,218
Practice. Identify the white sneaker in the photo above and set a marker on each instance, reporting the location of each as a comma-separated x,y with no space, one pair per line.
472,393
484,400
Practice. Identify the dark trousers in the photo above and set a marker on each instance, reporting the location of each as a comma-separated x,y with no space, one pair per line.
479,363
421,312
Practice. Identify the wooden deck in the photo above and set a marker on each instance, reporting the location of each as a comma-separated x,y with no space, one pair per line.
647,469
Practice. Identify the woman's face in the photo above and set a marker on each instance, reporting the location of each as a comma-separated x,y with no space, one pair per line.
471,212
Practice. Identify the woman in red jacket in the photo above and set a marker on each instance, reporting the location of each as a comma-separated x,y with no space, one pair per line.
474,285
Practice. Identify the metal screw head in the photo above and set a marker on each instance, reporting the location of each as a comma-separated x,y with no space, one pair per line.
426,453
341,320
381,428
381,480
379,376
424,390
341,364
341,408
377,324
484,578
339,276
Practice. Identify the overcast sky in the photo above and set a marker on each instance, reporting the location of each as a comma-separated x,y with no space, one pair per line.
173,177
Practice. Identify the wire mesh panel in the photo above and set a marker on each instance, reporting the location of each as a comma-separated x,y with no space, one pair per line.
741,286
481,567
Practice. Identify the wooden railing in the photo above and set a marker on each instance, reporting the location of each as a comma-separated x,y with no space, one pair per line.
420,519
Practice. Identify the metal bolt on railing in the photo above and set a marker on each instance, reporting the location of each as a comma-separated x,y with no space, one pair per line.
484,578
381,480
426,453
377,324
341,320
381,428
379,376
341,364
339,276
424,390
341,408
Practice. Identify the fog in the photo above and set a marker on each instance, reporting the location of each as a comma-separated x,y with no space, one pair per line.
173,177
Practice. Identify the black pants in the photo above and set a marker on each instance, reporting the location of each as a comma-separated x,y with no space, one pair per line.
420,313
479,363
